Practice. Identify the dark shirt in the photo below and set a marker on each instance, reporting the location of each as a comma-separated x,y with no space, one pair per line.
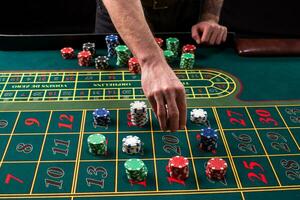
178,17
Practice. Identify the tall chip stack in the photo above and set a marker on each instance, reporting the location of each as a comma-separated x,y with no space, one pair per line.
187,61
198,116
208,140
97,144
132,145
101,117
173,45
178,167
136,170
216,169
123,55
138,113
112,41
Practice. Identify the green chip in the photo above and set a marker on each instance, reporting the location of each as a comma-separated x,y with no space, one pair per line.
96,139
134,164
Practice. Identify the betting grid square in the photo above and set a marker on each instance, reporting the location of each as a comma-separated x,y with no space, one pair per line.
235,157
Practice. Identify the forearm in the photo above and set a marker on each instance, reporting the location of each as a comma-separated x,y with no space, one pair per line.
129,20
212,10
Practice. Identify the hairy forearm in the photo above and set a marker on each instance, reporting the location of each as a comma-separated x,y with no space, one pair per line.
212,10
129,20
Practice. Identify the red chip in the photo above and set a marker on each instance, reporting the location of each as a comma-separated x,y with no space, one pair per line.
84,54
67,50
159,41
217,164
178,162
133,65
189,48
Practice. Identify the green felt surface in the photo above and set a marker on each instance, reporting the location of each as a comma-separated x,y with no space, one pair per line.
46,120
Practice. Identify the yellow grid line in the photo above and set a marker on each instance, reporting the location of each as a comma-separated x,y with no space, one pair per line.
288,128
193,93
153,151
192,158
263,146
75,86
41,153
9,139
117,152
227,148
78,155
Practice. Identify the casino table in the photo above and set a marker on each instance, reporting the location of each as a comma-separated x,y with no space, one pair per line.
46,106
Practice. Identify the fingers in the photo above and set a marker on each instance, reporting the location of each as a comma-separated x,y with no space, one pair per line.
161,111
195,34
206,35
173,113
224,37
153,104
181,103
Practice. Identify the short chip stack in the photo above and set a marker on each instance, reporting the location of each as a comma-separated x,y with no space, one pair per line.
112,41
169,55
97,144
187,61
138,113
91,47
178,167
160,42
189,48
208,140
123,55
198,116
136,170
173,45
101,117
85,58
102,62
134,66
132,145
67,53
216,169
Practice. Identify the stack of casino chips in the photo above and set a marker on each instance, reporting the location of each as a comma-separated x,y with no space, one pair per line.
67,53
173,45
101,117
123,55
138,113
91,47
198,116
132,145
160,42
169,55
112,41
136,170
178,167
187,61
208,140
102,62
189,48
85,58
97,144
134,66
216,169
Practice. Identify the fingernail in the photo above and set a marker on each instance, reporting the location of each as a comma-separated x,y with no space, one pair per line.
198,41
182,127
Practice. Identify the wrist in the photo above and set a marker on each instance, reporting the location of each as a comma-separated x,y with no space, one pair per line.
152,60
208,17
